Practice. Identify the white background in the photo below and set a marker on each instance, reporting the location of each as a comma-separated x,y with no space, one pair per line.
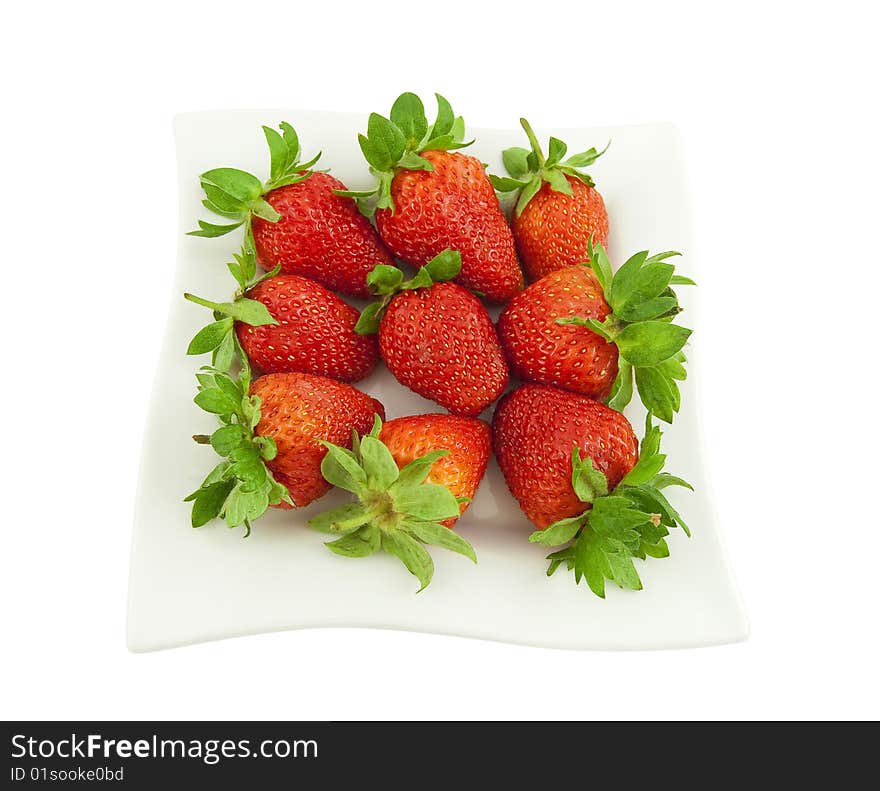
777,104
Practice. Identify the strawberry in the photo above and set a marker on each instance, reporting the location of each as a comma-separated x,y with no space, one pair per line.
315,332
436,337
429,198
540,350
574,467
288,324
298,222
270,438
558,208
468,441
533,432
593,332
407,485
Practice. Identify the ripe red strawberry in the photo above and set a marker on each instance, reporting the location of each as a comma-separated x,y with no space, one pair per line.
558,209
296,223
575,468
320,235
534,430
597,333
567,355
436,337
270,440
314,334
298,410
406,477
468,441
429,199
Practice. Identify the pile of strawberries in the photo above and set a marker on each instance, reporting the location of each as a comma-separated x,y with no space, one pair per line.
582,339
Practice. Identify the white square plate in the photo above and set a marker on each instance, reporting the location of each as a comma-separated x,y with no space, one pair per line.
190,586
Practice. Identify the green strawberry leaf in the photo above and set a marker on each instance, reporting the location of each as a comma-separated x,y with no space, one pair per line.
601,266
556,151
441,536
588,483
516,163
264,210
415,473
622,388
650,460
244,505
210,337
249,311
360,544
344,519
226,438
528,192
384,279
210,231
504,184
216,401
560,532
408,113
340,468
648,343
384,144
208,501
412,161
252,312
674,367
445,143
225,353
411,553
430,502
284,151
658,393
368,321
278,153
267,447
649,309
625,278
445,119
237,184
444,266
557,181
378,463
585,158
664,479
397,509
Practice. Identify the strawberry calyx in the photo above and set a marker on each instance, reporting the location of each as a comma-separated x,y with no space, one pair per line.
218,337
650,346
396,143
386,281
397,510
240,488
631,521
238,195
528,170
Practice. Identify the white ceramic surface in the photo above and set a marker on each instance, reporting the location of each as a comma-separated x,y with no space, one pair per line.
189,586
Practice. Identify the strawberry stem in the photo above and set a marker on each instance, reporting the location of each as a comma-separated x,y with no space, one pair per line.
204,302
533,141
